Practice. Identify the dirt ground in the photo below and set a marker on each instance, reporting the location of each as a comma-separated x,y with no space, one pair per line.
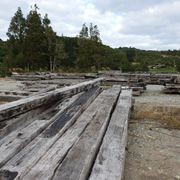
153,150
9,84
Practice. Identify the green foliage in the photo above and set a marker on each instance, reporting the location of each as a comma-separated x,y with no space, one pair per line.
92,33
178,65
3,50
51,42
84,32
16,33
4,71
35,41
33,45
163,70
131,54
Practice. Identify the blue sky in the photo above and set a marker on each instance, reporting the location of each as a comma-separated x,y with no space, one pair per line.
145,24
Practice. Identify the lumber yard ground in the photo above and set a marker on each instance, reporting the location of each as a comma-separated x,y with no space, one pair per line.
153,150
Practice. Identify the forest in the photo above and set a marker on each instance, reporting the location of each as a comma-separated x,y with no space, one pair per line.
32,45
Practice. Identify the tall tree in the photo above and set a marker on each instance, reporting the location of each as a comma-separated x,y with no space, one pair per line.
17,26
16,35
35,41
84,32
51,41
94,33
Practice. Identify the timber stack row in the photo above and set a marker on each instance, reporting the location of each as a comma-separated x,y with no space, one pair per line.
68,133
34,82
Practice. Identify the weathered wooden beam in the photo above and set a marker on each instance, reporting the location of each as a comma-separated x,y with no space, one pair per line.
23,105
18,93
84,151
54,154
19,121
10,98
109,163
26,158
43,112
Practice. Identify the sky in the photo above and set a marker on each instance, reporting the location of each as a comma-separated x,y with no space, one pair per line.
144,24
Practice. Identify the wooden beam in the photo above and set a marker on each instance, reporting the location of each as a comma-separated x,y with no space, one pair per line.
67,164
29,156
23,105
110,160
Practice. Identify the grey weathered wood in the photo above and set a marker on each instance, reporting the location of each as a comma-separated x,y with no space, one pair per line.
109,163
83,152
20,121
47,89
16,140
20,93
25,159
44,112
8,150
14,108
10,98
95,116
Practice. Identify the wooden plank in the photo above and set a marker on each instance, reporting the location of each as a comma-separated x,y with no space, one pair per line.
91,124
44,112
19,121
10,98
25,159
96,113
109,163
23,105
47,89
8,150
16,140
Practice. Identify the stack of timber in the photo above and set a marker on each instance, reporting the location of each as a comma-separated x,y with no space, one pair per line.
173,87
138,85
76,132
34,82
9,96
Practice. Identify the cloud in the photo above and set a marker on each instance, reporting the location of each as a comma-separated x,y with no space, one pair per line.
150,24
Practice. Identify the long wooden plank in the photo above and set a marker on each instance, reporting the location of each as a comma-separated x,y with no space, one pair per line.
14,108
25,159
18,139
91,125
109,163
44,112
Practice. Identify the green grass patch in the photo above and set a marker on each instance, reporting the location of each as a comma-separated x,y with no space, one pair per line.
163,70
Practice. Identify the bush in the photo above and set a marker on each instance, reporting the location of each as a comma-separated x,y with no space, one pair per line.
4,71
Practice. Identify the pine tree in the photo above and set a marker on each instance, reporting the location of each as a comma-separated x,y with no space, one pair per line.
91,31
84,32
16,35
51,41
35,41
94,33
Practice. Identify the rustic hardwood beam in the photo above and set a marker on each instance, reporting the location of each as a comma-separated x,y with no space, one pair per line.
110,160
23,105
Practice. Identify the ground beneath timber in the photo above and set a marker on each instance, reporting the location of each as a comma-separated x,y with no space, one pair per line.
153,150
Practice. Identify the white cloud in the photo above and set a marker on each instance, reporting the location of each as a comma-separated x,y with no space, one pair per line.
150,24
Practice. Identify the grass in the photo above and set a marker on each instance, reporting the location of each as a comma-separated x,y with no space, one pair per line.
163,70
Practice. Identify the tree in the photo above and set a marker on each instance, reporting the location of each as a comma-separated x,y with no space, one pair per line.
84,32
36,46
178,65
17,26
94,33
131,54
51,41
16,35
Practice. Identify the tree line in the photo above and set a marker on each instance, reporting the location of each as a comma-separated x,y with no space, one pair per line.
33,45
31,42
